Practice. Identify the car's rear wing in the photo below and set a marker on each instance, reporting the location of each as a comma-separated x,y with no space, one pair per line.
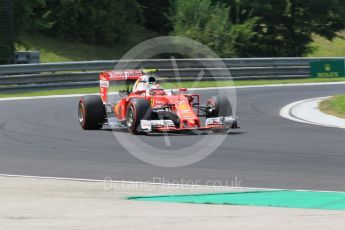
118,75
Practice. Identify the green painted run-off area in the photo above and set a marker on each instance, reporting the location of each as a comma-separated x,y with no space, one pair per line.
276,198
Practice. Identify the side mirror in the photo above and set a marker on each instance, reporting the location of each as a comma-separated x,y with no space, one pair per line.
183,89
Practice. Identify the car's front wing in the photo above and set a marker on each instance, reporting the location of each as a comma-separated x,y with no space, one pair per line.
216,123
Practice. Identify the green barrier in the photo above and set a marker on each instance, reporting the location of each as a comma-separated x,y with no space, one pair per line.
276,198
327,69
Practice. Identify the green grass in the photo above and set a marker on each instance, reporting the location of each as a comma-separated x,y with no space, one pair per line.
334,106
85,90
59,50
170,85
326,48
55,50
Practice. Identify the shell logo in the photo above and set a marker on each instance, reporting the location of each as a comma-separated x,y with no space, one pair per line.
117,109
184,107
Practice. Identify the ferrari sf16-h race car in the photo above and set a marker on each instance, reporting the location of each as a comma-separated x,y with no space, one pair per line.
144,106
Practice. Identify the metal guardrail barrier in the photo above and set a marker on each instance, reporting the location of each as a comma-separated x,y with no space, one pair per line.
67,74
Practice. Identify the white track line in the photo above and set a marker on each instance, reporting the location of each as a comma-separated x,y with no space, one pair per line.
45,97
161,184
285,112
191,89
310,113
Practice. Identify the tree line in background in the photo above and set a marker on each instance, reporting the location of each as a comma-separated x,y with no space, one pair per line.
233,28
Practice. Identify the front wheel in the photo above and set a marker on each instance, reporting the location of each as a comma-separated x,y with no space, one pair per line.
137,110
218,106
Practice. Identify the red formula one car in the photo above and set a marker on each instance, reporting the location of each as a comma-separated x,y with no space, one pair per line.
144,106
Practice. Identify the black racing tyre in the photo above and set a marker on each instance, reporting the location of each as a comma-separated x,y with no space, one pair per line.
138,109
91,112
218,106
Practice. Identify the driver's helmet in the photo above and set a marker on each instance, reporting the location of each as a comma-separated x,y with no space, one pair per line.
153,85
146,82
151,79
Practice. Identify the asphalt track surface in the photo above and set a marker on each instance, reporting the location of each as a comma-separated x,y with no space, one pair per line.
42,137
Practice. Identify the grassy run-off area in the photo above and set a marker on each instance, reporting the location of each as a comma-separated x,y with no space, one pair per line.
172,85
334,106
59,50
328,48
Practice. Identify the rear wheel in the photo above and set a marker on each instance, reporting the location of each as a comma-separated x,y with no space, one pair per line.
137,110
91,112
